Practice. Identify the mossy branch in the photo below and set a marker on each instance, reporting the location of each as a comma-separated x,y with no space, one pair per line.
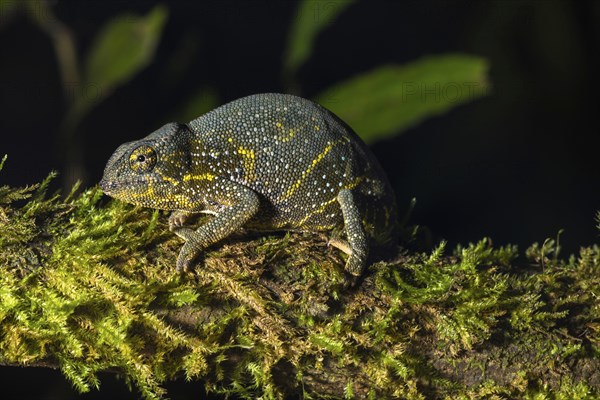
88,285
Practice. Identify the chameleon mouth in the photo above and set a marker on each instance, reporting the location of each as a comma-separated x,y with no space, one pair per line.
107,186
110,187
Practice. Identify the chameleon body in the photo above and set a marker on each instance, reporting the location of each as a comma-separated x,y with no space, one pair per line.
266,161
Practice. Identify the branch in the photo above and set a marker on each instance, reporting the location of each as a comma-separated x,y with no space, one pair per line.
88,285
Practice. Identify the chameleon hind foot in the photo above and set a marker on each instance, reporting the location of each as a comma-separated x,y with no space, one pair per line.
357,241
350,279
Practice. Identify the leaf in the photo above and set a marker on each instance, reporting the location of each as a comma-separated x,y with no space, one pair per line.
312,17
7,7
122,48
200,102
390,99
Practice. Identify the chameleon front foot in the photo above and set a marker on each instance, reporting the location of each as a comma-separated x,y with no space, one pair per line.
187,255
189,251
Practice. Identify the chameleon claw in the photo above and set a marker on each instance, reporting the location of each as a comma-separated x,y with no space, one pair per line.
188,254
177,219
182,264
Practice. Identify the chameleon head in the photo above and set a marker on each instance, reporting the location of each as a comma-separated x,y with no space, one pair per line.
146,172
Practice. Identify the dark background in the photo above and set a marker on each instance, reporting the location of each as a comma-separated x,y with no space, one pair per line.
517,165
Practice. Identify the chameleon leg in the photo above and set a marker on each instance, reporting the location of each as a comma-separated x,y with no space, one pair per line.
354,232
244,205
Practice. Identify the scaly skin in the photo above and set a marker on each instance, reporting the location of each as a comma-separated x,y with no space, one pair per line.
266,161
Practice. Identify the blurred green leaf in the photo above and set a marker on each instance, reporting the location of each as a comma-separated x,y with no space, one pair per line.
201,102
312,16
122,48
390,99
7,7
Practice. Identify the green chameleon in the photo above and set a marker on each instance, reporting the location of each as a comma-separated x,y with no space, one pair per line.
267,162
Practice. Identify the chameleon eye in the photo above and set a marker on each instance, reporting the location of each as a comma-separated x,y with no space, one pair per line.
142,158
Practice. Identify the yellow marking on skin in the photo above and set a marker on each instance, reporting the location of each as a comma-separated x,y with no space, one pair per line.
181,200
230,140
174,181
307,171
148,193
285,136
135,195
249,162
323,206
317,128
289,136
354,183
246,152
199,177
317,211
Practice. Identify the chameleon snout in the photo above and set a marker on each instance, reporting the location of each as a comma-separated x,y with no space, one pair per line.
106,186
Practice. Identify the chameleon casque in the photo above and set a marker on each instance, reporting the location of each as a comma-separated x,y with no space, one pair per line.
267,162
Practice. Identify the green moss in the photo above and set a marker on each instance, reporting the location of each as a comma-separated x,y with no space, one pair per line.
88,284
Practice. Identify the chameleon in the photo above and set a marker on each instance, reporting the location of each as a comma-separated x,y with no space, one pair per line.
265,162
